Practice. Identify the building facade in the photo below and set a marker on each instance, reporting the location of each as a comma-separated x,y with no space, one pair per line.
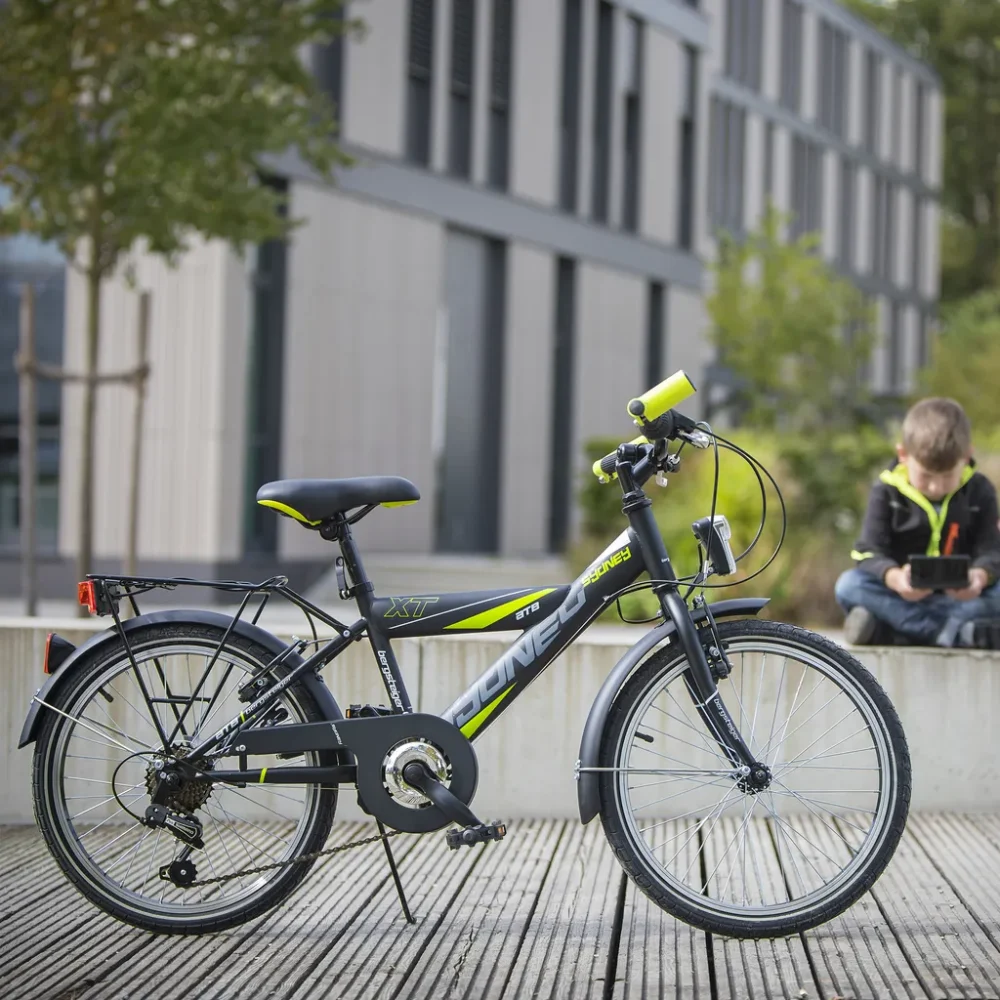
519,248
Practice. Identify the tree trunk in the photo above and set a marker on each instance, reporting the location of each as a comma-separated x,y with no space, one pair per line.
85,545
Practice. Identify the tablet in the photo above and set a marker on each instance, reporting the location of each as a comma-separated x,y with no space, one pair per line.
939,572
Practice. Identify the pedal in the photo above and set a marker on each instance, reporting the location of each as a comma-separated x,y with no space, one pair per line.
481,834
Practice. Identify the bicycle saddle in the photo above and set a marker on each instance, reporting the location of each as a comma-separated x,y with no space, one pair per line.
314,500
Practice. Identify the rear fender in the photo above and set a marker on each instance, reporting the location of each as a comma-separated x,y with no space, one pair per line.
50,690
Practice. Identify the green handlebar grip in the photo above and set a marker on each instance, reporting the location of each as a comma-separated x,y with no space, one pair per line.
606,477
656,401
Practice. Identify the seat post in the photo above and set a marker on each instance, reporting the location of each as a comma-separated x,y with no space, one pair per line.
377,634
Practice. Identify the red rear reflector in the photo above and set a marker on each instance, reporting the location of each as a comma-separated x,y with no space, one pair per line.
48,647
85,595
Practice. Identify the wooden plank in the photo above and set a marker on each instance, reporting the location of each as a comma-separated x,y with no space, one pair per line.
480,935
748,969
951,955
254,951
379,951
658,955
93,945
966,852
855,954
565,951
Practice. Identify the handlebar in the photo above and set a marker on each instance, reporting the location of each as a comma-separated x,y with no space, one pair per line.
653,412
655,402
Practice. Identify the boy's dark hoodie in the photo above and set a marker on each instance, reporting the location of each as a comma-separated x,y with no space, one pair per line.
901,522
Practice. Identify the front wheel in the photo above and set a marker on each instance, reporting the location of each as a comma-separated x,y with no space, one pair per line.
743,857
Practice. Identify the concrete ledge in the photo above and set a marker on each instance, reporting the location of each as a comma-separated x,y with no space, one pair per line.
949,702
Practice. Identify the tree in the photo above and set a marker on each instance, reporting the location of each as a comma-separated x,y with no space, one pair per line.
145,122
794,335
966,359
960,39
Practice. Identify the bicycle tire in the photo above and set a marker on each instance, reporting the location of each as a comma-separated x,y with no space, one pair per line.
65,841
746,918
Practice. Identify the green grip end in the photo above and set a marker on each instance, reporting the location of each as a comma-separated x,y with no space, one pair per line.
656,401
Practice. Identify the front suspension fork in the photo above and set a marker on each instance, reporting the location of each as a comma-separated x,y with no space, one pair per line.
701,684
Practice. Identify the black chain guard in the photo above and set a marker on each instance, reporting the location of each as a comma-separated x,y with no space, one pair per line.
370,740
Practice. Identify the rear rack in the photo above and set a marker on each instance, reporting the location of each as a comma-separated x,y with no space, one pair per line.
102,595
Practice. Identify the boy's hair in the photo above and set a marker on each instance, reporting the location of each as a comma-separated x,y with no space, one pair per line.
937,433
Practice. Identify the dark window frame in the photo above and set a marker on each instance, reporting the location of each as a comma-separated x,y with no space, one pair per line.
632,152
791,55
688,151
569,111
420,81
498,155
461,88
560,456
600,194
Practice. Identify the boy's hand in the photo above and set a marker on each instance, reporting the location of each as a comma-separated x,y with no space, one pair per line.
978,579
898,579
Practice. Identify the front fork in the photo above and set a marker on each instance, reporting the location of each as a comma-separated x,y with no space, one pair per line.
700,682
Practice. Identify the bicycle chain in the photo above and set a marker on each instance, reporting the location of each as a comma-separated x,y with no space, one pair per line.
293,861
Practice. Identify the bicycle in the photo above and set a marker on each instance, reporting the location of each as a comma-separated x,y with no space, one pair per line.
752,777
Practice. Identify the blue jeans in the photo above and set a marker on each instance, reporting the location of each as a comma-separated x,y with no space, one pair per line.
935,620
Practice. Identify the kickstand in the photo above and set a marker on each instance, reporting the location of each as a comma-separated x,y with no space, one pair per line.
395,873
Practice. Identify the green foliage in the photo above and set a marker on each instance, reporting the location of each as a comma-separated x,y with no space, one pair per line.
778,315
966,360
961,41
151,120
825,483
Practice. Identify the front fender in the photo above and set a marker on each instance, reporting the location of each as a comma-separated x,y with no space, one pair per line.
587,789
36,711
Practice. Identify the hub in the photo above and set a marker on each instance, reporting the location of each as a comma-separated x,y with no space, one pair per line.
754,779
182,796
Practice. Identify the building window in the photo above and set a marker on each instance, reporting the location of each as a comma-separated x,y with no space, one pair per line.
602,112
917,244
419,75
496,174
655,346
894,380
633,124
689,107
569,118
728,125
768,163
264,384
873,101
328,64
832,78
463,43
807,187
744,35
924,330
791,54
919,113
897,116
560,461
848,201
884,223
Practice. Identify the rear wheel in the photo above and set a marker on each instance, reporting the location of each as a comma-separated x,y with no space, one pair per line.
723,850
96,760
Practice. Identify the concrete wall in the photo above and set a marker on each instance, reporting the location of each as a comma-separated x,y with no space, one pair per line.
948,701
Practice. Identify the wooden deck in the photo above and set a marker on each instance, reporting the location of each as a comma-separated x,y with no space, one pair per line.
546,914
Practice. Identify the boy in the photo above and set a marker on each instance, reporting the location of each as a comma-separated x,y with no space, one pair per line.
932,501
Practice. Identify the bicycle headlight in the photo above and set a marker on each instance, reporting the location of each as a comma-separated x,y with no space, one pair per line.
714,534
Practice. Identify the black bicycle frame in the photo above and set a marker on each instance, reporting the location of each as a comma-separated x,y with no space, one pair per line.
557,616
